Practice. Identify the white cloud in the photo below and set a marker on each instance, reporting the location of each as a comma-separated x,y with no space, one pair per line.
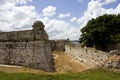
81,1
59,29
16,18
23,1
108,1
49,11
95,8
64,15
73,19
23,16
7,4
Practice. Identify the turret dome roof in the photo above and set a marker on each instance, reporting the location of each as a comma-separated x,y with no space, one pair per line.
38,23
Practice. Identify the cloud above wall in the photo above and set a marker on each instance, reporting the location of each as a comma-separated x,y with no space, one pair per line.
73,19
108,1
16,17
49,11
95,8
59,29
81,1
64,15
23,1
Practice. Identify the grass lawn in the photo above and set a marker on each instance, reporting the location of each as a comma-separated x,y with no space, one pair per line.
86,75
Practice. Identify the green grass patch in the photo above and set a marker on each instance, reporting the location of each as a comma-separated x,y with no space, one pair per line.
87,75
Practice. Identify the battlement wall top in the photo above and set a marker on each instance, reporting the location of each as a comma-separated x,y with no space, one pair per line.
36,34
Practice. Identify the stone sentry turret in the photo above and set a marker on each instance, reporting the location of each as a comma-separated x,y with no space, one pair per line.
28,48
38,33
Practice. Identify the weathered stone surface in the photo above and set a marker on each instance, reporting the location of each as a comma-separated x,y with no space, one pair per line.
114,52
92,57
88,56
113,64
29,48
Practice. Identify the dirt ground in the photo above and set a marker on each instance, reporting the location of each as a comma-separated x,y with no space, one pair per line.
65,63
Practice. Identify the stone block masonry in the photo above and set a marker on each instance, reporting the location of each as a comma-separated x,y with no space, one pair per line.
27,48
29,54
58,45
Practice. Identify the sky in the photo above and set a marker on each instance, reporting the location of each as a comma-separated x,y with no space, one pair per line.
62,18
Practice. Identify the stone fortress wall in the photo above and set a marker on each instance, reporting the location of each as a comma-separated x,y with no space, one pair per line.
30,48
58,45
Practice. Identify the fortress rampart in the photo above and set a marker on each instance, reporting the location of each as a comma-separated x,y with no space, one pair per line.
29,48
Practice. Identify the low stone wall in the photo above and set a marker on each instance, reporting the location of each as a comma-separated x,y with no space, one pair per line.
34,54
58,45
89,56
